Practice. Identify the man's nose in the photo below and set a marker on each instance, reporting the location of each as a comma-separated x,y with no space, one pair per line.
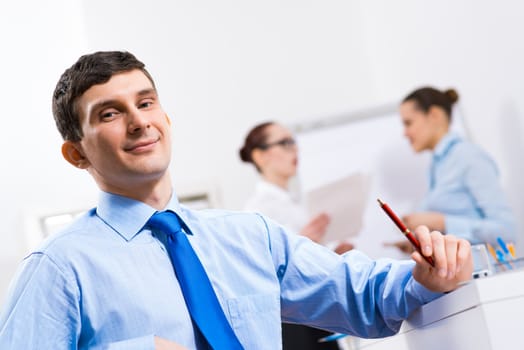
136,121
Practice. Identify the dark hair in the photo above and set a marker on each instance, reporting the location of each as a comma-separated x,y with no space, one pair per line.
426,97
89,70
254,139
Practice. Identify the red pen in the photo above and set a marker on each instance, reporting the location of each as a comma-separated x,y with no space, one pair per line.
405,231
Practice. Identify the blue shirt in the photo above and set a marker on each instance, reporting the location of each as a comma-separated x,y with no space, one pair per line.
465,187
106,282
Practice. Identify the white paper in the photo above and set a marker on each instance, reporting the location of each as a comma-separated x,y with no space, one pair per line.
344,200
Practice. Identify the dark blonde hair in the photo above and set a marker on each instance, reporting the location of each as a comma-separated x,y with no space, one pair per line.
426,97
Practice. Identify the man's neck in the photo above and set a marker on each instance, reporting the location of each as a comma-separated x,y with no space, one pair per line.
155,193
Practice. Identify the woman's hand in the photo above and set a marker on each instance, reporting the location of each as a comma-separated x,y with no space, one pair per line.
164,344
403,245
316,228
434,220
343,247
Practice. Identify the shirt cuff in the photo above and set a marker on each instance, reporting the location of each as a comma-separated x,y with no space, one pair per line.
422,293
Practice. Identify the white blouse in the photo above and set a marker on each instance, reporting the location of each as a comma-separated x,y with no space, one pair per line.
277,204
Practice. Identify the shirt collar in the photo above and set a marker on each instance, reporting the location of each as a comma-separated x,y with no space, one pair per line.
128,216
444,145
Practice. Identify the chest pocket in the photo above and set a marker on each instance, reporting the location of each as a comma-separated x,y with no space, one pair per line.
256,319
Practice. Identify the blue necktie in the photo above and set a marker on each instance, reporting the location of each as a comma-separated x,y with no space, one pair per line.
200,298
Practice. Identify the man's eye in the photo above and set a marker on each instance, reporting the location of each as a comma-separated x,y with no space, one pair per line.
145,103
108,115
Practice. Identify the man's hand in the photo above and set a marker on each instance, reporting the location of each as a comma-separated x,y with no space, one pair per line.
164,344
452,257
316,228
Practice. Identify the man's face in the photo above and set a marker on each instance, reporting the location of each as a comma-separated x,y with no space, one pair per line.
126,142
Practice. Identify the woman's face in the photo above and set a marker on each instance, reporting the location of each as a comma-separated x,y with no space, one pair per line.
419,128
280,156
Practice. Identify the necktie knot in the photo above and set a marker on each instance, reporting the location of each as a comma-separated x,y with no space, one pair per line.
165,221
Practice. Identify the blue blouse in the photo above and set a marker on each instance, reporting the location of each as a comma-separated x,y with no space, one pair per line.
464,185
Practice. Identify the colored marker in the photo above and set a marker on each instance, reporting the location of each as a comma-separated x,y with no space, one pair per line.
503,245
502,259
332,337
511,248
491,251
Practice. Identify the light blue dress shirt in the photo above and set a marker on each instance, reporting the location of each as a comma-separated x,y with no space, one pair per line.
464,185
106,282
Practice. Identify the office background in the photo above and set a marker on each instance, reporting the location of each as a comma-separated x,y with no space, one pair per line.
222,66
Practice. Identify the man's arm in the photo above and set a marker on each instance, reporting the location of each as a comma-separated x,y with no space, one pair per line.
354,294
42,310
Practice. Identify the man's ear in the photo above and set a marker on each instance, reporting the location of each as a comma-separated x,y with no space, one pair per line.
72,152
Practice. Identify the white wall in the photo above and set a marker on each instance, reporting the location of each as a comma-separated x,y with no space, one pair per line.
223,66
39,40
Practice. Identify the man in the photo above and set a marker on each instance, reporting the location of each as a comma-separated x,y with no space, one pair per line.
106,282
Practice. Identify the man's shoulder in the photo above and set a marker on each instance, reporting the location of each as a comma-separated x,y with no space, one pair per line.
71,234
232,220
215,215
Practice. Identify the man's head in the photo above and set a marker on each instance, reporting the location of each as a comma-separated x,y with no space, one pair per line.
108,111
89,70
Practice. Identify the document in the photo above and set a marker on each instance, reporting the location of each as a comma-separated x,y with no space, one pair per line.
344,200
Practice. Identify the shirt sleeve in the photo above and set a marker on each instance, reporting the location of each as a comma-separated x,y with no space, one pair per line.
351,294
496,219
42,310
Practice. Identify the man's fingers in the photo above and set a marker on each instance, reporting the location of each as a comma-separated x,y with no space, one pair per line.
426,244
463,254
439,253
451,254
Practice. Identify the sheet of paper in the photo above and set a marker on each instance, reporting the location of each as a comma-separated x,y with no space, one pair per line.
344,200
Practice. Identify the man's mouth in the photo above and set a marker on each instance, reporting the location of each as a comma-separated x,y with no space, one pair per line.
141,146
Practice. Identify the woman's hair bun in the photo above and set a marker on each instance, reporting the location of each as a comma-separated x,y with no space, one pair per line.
245,154
452,94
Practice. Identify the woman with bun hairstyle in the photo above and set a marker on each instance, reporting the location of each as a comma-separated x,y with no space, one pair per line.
465,197
271,148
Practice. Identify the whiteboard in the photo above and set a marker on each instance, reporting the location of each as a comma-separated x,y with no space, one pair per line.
370,142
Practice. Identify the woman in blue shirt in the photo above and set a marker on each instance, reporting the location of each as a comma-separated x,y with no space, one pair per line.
465,197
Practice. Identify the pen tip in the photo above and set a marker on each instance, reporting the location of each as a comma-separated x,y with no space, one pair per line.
379,201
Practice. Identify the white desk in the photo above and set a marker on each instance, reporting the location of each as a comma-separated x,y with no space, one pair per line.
486,314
